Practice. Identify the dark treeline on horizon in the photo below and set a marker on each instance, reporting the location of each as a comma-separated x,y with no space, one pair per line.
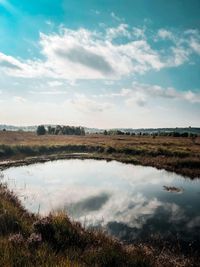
60,130
173,134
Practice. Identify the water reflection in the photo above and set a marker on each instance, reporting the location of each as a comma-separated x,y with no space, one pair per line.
83,207
131,202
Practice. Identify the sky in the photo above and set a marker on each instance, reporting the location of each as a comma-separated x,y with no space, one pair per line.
104,64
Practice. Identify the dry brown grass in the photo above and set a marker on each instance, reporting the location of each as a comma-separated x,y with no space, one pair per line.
178,154
175,154
30,138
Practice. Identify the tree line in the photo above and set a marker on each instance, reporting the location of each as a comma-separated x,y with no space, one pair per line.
60,130
154,134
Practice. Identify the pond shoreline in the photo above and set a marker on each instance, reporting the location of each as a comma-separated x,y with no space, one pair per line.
158,163
154,252
178,155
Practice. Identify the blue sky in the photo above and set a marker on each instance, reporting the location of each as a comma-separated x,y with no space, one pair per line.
130,63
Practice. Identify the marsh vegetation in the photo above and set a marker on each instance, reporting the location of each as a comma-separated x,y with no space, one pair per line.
180,155
28,239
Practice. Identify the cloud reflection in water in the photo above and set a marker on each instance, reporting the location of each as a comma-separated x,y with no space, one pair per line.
128,200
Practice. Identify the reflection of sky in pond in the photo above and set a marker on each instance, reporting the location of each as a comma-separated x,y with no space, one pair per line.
128,200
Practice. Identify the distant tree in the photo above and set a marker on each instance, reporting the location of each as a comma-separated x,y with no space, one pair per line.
50,130
64,130
176,134
82,131
58,130
77,130
118,132
105,132
4,130
185,134
41,130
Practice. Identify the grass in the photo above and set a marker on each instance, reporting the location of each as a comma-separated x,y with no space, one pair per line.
177,154
29,240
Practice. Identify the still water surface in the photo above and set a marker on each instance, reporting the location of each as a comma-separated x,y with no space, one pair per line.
129,201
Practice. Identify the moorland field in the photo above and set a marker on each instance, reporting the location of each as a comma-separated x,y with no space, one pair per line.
29,240
177,154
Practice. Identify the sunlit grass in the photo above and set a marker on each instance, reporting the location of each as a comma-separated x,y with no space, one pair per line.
177,154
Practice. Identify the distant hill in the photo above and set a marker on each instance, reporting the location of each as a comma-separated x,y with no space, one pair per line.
194,130
18,128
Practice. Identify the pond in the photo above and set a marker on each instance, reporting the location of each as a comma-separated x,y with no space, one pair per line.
130,202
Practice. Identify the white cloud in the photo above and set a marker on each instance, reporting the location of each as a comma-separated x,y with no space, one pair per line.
195,45
120,31
138,32
194,222
184,45
55,83
179,56
85,104
83,54
165,34
115,17
10,63
49,23
19,99
109,82
191,96
158,91
139,94
27,69
53,92
137,97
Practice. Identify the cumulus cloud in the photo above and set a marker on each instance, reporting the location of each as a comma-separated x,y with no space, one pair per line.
55,83
195,45
139,94
138,32
184,44
138,98
86,104
86,58
83,54
9,62
18,68
194,222
115,17
146,91
120,31
19,99
53,92
179,56
165,34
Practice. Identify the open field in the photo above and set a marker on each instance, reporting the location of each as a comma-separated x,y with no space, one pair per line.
29,240
178,154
